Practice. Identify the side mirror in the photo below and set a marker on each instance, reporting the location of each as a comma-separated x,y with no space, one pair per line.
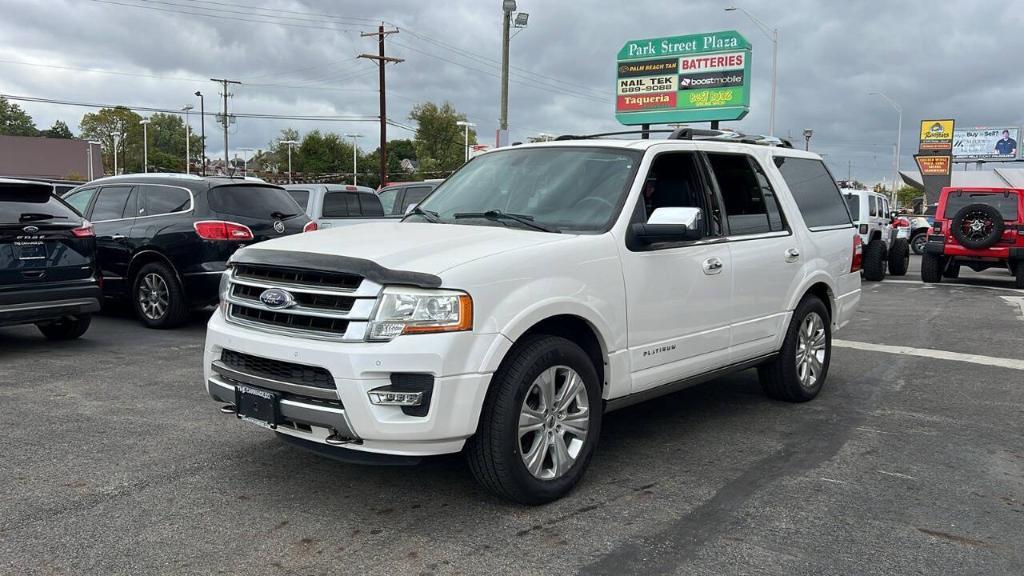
671,225
410,208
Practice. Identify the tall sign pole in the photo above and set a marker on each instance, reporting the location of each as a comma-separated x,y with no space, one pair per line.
224,92
382,81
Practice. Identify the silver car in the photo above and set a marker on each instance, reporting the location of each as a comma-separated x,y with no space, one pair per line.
332,205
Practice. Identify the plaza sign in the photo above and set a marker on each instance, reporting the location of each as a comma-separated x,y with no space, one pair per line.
695,78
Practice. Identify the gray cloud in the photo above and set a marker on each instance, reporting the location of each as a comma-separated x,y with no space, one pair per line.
937,59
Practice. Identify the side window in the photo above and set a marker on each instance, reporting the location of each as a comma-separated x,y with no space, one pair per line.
369,205
335,205
301,197
872,206
414,195
387,200
743,195
814,191
80,200
674,180
163,200
110,203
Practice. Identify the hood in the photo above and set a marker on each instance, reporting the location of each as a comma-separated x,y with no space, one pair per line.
416,247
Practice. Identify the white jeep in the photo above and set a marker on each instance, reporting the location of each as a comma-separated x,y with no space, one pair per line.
885,245
538,288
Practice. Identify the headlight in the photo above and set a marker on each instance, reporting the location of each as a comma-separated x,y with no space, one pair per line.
223,290
416,311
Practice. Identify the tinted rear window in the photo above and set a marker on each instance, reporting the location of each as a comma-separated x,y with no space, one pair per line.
815,192
301,197
853,204
370,205
252,201
20,203
1005,203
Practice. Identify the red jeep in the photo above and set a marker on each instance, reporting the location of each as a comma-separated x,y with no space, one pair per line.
980,228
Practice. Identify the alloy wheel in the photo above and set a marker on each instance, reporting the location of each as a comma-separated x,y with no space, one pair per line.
553,422
810,350
153,296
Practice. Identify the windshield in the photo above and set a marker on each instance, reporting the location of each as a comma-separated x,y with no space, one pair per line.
1006,203
853,203
571,189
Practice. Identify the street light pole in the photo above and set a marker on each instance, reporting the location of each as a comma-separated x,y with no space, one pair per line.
188,154
245,161
145,146
355,154
773,35
290,143
202,128
467,125
899,135
507,7
116,138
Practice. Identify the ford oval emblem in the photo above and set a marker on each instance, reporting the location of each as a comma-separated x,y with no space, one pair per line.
277,299
279,226
30,229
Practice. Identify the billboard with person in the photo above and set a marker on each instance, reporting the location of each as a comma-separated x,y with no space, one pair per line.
986,143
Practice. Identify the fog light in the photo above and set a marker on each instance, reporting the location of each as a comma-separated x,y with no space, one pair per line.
388,396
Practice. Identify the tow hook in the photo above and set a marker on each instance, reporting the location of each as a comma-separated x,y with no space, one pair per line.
228,409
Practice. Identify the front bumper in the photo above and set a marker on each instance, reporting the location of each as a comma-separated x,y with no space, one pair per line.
453,359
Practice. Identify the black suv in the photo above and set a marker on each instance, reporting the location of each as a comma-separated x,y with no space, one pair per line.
163,239
48,273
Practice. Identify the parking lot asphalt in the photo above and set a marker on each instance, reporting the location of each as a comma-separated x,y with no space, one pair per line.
116,462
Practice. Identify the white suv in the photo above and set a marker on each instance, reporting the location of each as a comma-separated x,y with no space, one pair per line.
536,289
884,244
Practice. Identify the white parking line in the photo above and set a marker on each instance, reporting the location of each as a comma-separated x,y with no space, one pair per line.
949,285
1017,302
936,354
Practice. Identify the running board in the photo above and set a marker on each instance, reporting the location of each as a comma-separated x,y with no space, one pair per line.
636,398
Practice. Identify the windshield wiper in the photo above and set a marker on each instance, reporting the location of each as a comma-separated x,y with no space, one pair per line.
429,215
497,215
280,215
32,216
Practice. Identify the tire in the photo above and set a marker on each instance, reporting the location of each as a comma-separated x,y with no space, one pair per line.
917,242
952,271
1018,277
66,328
167,311
931,268
495,452
899,257
874,261
781,379
990,223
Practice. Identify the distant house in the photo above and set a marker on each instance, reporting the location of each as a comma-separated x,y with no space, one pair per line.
48,158
409,166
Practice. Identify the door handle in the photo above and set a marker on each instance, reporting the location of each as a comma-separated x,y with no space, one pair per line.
117,237
712,266
792,255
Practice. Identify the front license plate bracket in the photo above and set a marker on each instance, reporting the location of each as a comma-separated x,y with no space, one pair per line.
259,406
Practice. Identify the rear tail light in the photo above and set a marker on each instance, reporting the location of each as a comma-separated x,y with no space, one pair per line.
858,253
83,231
310,226
863,228
220,230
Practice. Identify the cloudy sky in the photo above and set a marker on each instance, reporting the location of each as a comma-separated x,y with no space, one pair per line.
298,58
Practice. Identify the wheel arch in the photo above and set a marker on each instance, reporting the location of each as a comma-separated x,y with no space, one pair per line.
146,256
818,285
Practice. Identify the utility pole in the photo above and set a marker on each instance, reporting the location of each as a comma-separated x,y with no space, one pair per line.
381,61
202,128
224,83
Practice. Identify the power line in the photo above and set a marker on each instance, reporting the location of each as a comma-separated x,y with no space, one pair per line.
231,18
256,115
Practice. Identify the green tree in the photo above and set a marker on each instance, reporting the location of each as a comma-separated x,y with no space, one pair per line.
121,125
58,130
398,150
167,143
439,140
275,159
14,121
321,153
906,195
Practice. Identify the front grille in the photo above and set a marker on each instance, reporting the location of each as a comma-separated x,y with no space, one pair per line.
316,301
277,370
323,305
298,277
290,321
